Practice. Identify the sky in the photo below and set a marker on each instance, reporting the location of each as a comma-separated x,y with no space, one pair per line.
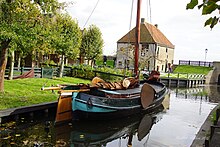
184,28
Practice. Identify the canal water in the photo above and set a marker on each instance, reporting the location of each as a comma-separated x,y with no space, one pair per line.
173,124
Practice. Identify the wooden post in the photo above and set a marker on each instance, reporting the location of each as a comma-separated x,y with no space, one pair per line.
41,72
206,143
22,70
191,83
212,131
169,82
217,113
71,72
187,83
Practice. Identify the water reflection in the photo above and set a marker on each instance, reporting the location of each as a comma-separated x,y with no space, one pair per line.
207,93
100,133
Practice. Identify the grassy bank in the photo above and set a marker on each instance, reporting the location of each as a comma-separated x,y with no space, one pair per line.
25,92
109,63
192,69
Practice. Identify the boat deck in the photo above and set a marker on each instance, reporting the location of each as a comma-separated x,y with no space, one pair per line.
157,88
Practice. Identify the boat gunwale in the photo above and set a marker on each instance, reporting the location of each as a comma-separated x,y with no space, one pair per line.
122,108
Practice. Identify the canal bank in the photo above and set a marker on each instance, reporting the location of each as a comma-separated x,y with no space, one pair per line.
203,137
14,113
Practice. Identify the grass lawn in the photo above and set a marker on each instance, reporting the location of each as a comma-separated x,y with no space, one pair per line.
25,92
188,72
108,63
192,69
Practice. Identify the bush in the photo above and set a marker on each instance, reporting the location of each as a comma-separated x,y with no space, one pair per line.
87,72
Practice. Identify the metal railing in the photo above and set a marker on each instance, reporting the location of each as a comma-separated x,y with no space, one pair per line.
196,63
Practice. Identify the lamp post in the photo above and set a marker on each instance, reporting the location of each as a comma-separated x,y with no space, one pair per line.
206,50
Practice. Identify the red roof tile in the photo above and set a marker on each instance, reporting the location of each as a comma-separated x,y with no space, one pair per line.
149,34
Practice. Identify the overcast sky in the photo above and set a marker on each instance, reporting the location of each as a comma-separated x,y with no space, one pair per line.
184,28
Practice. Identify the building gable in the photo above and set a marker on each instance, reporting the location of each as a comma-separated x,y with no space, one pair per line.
148,34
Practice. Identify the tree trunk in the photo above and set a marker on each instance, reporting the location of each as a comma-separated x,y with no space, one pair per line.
61,66
88,62
19,61
10,75
92,63
66,62
3,62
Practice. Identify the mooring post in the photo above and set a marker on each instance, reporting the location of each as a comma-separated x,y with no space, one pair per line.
191,83
212,131
206,143
31,114
41,72
16,117
169,82
46,111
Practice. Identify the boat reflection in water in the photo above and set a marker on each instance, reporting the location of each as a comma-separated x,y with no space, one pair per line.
98,133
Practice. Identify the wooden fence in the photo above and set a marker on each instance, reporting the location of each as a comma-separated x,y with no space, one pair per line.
196,63
43,72
53,71
49,72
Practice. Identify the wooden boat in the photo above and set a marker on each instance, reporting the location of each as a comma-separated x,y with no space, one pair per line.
107,100
93,103
109,104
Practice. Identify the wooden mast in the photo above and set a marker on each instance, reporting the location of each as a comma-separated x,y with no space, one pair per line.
137,41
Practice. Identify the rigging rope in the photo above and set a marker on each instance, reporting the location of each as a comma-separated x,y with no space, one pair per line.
129,39
132,5
91,13
153,48
149,10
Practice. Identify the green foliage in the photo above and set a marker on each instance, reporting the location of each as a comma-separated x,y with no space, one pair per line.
83,71
92,43
21,21
192,69
66,36
24,92
22,24
208,7
192,4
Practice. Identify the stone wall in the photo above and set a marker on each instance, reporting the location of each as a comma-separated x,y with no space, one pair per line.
213,75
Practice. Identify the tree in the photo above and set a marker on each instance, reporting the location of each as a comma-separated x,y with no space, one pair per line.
66,38
17,22
92,43
208,7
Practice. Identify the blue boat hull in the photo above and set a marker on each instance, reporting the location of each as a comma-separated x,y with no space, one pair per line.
93,107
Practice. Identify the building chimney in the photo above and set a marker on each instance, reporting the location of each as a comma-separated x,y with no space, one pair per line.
142,20
156,25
